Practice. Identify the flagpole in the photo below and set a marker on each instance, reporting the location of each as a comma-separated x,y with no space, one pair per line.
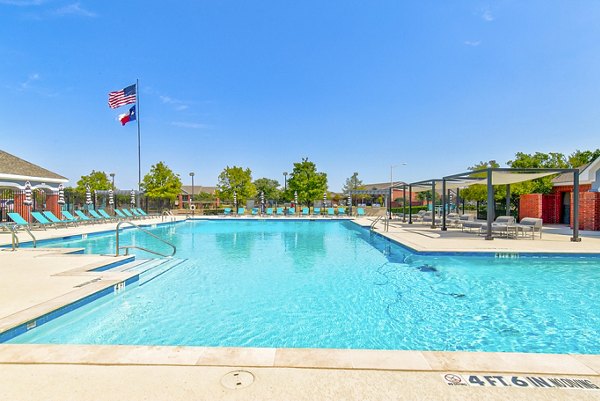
137,117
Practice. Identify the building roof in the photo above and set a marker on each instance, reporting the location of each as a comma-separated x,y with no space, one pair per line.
381,185
13,167
567,178
187,189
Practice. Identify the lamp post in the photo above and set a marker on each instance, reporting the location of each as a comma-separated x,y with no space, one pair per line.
192,197
285,180
112,177
392,167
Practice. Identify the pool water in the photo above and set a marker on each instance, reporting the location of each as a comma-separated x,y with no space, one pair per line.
333,284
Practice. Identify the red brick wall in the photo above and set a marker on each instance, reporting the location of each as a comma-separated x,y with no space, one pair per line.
530,205
589,211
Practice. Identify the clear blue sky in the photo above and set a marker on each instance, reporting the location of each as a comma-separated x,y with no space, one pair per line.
353,85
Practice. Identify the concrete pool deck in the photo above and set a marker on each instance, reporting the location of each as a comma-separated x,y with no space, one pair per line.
33,371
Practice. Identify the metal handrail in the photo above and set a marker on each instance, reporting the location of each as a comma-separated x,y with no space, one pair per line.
32,236
375,222
15,238
127,248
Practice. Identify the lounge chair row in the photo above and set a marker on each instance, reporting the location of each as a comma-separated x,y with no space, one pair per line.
49,219
291,212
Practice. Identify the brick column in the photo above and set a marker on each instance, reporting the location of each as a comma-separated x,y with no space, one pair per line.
52,204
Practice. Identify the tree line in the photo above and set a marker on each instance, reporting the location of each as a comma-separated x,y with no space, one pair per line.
309,184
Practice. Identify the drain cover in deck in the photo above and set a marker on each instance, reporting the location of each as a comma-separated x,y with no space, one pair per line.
237,379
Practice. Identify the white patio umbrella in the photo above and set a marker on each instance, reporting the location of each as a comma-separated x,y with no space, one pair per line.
132,200
111,197
61,194
88,195
28,200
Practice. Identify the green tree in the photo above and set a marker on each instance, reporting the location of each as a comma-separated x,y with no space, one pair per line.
581,157
478,192
236,179
269,187
537,160
305,180
352,183
97,181
161,183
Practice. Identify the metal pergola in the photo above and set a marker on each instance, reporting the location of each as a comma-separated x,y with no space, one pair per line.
503,176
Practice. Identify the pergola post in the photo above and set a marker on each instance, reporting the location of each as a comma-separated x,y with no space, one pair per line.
457,200
508,199
443,206
575,237
404,203
490,205
410,204
433,204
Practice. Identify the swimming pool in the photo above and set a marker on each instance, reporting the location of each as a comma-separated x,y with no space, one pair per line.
333,284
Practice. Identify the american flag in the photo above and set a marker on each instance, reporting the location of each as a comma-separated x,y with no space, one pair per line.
122,97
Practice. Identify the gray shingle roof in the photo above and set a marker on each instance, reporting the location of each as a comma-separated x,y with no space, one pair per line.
567,178
10,164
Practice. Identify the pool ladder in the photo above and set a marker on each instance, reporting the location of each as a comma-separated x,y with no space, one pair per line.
15,238
128,247
386,223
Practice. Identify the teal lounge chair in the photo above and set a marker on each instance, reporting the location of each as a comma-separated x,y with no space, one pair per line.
330,211
241,211
141,211
227,211
316,211
19,220
42,220
83,217
279,211
269,211
254,211
67,215
120,214
96,216
50,216
305,211
106,215
136,213
128,213
360,212
291,211
341,211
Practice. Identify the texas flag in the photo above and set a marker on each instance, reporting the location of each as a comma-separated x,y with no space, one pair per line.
127,117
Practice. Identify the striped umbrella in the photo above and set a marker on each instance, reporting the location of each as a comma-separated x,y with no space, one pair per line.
28,200
296,198
111,197
132,200
349,200
234,199
88,195
61,194
262,198
324,199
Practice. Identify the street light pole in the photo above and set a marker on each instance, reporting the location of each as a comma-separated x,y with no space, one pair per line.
192,198
392,187
112,177
285,180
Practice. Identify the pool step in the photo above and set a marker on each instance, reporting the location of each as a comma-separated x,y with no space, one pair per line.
142,265
156,270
